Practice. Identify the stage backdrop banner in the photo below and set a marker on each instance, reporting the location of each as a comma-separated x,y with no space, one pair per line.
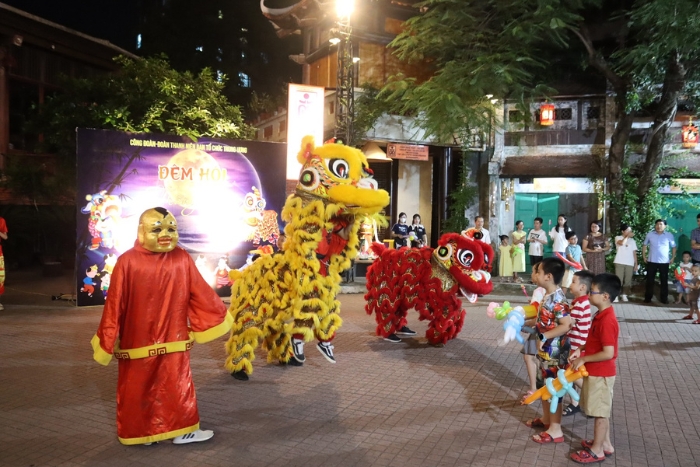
226,195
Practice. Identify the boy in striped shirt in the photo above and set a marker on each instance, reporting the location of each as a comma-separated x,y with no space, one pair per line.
580,322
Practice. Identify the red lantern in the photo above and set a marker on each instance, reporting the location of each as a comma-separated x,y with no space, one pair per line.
689,135
546,114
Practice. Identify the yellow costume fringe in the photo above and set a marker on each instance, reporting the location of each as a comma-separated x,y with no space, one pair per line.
284,294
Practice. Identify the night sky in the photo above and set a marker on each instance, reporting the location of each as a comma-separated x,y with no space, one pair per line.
112,20
189,34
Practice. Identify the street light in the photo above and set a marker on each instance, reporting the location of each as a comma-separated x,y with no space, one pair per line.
344,8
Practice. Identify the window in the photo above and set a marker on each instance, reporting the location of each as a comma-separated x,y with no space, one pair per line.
267,132
562,114
219,75
593,112
283,126
221,15
138,41
515,116
245,79
199,48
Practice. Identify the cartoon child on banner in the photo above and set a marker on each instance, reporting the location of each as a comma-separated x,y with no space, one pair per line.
158,305
92,208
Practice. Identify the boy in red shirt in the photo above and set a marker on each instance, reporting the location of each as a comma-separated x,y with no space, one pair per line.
599,355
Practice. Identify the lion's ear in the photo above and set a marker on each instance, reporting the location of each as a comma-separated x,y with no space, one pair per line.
307,148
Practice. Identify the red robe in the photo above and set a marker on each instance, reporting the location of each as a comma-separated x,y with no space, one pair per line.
158,304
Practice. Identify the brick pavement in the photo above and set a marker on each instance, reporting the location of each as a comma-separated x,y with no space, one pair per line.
382,404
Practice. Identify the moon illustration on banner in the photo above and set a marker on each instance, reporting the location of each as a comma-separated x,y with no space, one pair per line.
189,187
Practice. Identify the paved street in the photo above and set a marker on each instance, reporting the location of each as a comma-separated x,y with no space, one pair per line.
382,404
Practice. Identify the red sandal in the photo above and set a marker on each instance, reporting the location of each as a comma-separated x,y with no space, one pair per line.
588,443
586,456
546,438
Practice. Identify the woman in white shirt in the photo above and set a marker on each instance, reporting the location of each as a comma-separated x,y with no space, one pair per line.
558,234
625,258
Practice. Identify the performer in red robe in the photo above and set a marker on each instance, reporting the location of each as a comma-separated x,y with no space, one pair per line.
158,305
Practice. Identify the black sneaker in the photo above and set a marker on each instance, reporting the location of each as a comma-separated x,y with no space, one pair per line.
291,362
326,350
405,331
298,349
240,375
393,338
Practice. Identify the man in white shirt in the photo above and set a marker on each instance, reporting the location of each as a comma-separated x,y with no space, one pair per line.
658,242
478,229
537,238
625,259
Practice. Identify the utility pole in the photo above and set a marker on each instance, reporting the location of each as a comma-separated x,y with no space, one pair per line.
345,85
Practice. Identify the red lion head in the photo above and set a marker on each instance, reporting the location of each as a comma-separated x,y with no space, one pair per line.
468,262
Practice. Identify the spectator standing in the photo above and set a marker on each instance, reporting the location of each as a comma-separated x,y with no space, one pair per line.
3,236
399,232
478,232
695,242
505,265
573,254
518,237
658,242
558,234
625,259
420,236
580,324
595,245
599,354
537,238
694,293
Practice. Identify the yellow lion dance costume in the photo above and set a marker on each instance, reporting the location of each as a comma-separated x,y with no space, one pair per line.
294,291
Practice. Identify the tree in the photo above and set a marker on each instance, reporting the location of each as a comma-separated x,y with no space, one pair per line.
647,51
145,96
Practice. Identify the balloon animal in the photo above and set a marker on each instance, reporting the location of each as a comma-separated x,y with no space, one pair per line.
556,388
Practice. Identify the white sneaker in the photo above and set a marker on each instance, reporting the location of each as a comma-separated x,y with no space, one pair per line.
1,307
616,300
624,298
194,437
298,350
326,349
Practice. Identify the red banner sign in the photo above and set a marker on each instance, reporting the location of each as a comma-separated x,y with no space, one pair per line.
412,152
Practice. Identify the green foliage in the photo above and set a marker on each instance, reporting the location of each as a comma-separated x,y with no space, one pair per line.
261,103
145,96
369,106
641,212
485,48
461,198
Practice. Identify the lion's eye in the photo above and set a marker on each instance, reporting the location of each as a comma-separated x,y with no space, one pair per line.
339,168
444,252
465,257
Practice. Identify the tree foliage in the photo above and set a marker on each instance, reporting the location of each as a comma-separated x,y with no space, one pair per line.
477,49
144,96
647,50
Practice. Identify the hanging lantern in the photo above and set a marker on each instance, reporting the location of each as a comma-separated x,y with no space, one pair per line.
546,114
689,135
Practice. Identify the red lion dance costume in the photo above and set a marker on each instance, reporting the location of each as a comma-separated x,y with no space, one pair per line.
427,280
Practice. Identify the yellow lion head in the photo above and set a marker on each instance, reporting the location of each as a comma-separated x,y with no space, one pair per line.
341,175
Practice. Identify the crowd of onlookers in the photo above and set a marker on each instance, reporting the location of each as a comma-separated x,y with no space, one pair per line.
658,252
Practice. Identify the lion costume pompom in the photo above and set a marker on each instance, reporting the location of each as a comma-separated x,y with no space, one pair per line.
294,292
